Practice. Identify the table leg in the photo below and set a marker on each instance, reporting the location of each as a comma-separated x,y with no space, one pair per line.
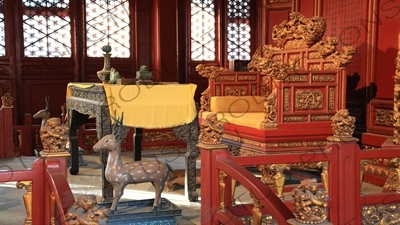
76,120
189,133
137,144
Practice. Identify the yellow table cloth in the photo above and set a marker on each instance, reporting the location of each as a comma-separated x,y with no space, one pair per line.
152,106
149,106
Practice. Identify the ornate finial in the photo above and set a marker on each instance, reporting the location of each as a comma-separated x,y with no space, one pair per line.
343,126
104,74
7,101
327,47
54,136
310,204
210,130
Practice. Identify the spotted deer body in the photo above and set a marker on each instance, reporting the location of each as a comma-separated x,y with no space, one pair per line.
119,174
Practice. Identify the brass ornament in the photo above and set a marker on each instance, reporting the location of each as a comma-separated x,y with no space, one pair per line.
7,101
210,130
343,126
310,202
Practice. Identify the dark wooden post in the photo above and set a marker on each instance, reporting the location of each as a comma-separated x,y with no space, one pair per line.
28,136
6,125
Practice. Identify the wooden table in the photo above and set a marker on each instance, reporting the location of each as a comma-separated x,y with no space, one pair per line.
91,99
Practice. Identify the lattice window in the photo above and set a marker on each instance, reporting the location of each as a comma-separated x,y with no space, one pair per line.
2,32
202,30
107,22
46,28
238,30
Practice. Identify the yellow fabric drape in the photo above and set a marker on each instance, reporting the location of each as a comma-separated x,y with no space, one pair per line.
152,106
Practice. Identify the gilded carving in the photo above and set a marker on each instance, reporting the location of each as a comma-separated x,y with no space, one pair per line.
343,126
384,117
231,137
261,58
310,203
205,101
329,66
247,77
381,214
315,67
235,91
7,101
327,47
297,78
286,99
309,30
396,104
157,148
344,57
209,72
321,117
252,142
159,136
253,90
314,55
317,143
265,86
210,130
225,78
217,90
323,78
289,144
270,111
295,118
309,99
54,135
331,103
86,211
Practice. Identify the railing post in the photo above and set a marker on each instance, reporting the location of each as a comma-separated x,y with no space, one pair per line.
209,183
344,183
7,148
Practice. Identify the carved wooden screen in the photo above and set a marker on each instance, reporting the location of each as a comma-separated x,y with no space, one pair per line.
238,30
202,30
2,31
107,22
46,28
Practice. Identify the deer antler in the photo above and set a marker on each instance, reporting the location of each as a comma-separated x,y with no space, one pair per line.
47,100
117,127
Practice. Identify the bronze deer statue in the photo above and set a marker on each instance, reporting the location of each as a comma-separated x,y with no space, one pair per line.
119,174
43,114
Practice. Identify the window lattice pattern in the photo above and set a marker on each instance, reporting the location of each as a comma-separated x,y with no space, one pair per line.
46,27
202,30
2,33
108,27
238,30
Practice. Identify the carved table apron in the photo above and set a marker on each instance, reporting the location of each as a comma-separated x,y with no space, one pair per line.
83,102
